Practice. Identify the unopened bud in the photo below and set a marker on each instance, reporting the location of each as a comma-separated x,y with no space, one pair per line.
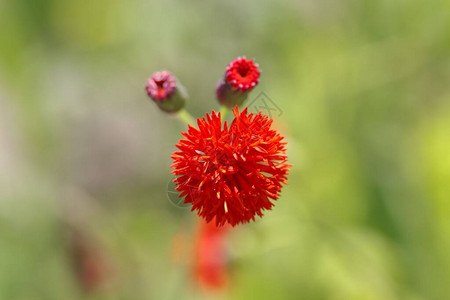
241,76
164,89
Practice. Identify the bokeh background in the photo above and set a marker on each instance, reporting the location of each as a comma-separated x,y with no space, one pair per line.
84,155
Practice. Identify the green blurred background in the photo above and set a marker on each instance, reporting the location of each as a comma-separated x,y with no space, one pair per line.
85,156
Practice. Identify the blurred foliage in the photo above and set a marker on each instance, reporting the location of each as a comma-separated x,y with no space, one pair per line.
363,86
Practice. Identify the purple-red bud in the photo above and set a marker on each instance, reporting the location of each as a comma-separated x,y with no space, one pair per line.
164,89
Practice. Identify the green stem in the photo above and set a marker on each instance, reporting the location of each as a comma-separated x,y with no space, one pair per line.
186,117
223,112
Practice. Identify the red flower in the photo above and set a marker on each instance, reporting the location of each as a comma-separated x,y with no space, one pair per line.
230,173
211,257
242,74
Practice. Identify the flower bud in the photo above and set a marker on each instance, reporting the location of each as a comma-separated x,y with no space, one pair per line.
164,89
241,76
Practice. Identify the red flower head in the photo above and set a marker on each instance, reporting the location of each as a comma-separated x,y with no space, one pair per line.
241,76
162,88
230,173
211,257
